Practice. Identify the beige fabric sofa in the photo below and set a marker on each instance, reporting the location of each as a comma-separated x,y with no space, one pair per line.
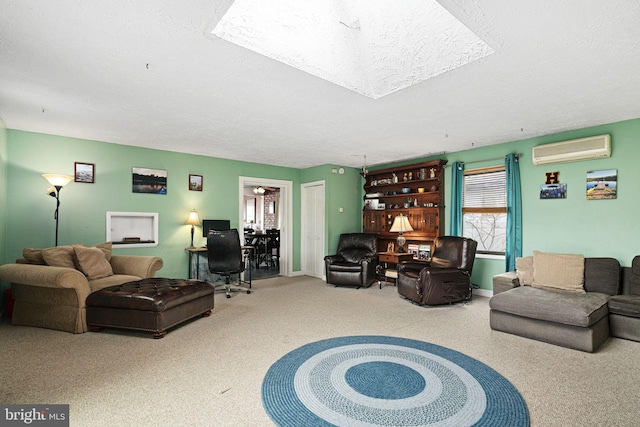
52,295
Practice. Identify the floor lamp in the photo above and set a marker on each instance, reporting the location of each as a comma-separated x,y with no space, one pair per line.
58,181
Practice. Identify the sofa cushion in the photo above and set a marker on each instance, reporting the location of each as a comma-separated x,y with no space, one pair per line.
580,310
602,275
634,286
558,272
60,256
116,279
92,262
33,256
625,305
524,269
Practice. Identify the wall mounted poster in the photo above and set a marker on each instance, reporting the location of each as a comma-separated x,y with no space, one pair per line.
553,191
153,181
602,184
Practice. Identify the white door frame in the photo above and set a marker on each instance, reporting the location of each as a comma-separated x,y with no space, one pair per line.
304,218
286,216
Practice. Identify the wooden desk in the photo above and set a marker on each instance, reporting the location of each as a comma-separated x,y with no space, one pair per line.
197,251
387,260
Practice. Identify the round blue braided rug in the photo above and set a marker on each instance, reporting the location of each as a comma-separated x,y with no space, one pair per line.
387,381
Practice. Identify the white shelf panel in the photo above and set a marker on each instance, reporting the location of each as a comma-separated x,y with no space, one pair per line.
132,229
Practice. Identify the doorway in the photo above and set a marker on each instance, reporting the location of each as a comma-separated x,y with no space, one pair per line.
252,206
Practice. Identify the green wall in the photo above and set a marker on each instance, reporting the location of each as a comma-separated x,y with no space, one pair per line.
574,225
83,206
595,228
3,205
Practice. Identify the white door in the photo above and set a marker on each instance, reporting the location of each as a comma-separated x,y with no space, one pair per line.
312,225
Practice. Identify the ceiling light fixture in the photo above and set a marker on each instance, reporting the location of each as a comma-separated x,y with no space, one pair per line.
259,190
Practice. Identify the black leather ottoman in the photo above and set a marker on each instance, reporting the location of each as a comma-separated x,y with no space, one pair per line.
153,305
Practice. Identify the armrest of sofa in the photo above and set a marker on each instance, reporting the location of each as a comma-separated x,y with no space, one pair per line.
43,276
136,265
505,281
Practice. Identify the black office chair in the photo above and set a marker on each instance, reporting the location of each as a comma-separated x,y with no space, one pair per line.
226,258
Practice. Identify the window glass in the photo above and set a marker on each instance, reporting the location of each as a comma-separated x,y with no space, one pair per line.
484,209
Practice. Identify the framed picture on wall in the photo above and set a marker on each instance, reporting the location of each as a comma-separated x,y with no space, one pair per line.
84,172
271,207
153,181
195,182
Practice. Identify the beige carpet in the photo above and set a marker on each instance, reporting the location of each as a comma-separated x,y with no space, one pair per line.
209,371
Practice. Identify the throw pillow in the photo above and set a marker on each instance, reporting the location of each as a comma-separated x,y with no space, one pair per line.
33,256
92,262
106,248
60,256
524,269
558,272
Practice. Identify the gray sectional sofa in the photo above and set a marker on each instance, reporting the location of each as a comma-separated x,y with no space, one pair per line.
579,317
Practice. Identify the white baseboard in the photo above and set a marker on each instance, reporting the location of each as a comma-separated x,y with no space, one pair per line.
483,293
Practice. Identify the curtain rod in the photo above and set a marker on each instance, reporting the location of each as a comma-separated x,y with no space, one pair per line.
518,155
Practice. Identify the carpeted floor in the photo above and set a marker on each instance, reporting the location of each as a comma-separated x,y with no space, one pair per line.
210,371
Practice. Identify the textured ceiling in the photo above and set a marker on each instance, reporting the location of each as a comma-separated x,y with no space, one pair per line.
372,47
149,73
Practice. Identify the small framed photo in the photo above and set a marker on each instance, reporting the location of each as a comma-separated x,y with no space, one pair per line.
195,182
84,172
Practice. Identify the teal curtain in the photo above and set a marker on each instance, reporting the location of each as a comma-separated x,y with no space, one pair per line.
514,211
457,186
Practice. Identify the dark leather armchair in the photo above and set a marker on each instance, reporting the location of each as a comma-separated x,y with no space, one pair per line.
355,261
443,280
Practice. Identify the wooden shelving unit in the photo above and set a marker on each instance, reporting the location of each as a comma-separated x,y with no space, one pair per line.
416,191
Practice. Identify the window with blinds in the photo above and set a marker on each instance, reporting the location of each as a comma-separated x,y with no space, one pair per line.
484,208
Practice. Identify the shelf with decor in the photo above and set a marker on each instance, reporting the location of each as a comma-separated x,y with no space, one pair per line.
415,191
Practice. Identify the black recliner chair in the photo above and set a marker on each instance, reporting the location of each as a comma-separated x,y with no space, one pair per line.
443,280
355,261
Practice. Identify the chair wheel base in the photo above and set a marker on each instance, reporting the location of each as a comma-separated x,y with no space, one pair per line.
228,296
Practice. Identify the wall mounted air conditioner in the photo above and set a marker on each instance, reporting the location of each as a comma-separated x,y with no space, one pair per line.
594,147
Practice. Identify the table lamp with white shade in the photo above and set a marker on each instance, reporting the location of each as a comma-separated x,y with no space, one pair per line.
400,225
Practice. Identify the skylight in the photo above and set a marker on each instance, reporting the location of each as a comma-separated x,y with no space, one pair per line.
371,47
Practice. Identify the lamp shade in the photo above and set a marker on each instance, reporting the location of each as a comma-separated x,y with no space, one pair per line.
400,224
193,218
57,180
